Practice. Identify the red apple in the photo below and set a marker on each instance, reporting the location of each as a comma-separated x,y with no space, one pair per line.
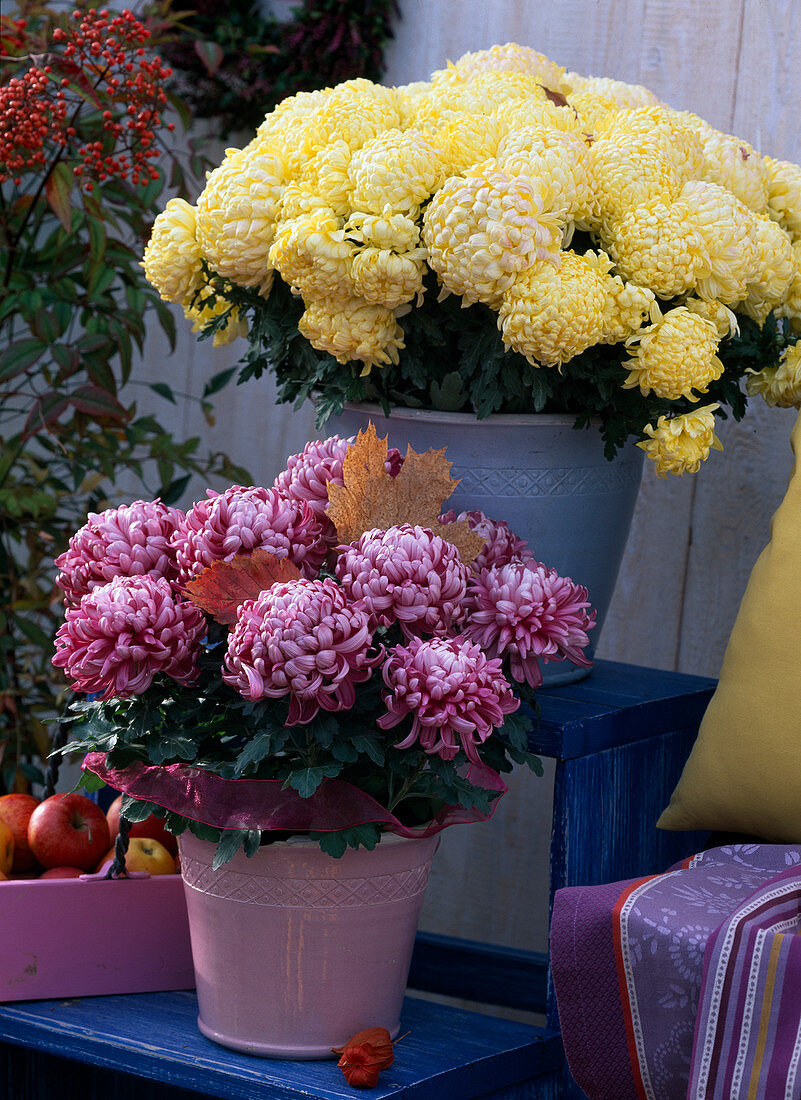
152,827
62,872
144,854
68,831
16,810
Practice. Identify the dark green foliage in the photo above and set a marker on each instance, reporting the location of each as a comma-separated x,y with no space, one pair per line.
234,63
237,739
454,359
75,309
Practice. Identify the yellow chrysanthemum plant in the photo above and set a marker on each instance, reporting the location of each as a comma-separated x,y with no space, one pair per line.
504,237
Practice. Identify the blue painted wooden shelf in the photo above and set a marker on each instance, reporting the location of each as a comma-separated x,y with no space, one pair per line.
619,739
614,706
153,1039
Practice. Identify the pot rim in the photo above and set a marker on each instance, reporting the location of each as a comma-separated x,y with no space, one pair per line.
441,416
386,838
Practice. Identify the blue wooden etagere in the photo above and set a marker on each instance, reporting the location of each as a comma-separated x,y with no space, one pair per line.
619,739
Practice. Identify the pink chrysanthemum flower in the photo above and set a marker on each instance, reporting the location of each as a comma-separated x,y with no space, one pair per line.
128,541
307,474
301,639
242,519
502,545
125,632
407,575
456,695
524,611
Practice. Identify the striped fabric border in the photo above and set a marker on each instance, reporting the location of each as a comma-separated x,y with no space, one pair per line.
748,1032
638,1053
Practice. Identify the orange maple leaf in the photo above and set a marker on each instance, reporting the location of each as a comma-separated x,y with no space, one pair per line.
222,587
371,498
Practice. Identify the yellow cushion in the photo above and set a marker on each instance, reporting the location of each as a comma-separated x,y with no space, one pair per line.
744,772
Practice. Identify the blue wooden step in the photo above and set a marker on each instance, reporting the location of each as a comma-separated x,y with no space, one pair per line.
448,1054
615,706
482,972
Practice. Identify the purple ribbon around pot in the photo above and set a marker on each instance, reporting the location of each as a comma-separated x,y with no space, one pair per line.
267,805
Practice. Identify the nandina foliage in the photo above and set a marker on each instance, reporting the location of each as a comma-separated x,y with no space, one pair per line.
82,163
236,63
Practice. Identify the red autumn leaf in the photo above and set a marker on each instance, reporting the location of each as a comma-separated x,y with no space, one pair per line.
58,190
225,585
364,1056
210,53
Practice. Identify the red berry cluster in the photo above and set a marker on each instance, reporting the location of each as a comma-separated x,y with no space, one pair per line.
30,120
104,71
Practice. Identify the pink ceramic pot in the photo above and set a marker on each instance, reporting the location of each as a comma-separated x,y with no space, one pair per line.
294,951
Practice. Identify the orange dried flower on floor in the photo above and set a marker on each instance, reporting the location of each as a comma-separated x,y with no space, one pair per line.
364,1056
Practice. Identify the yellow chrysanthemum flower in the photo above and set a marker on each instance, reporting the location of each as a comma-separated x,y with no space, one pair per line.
327,175
517,114
721,316
312,255
784,194
496,88
630,305
351,329
679,444
299,106
449,103
657,244
399,169
236,216
630,171
354,112
729,232
674,356
590,108
550,314
208,304
734,164
668,129
386,278
508,58
300,198
406,97
618,91
464,140
774,272
172,255
779,386
398,232
791,306
556,156
482,230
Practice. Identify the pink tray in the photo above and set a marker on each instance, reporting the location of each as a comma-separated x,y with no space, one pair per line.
75,938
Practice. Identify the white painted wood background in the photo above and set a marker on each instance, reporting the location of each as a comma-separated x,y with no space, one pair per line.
694,540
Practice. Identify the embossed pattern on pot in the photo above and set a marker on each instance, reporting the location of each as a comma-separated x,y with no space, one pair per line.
297,893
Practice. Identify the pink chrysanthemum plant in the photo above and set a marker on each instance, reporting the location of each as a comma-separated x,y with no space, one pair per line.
353,670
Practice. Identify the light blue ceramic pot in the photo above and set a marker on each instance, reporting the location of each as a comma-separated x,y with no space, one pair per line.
551,483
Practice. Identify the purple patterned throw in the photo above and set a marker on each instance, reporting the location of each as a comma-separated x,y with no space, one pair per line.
686,980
